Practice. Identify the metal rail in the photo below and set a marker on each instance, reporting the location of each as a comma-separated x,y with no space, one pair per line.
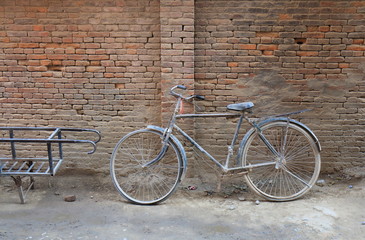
20,167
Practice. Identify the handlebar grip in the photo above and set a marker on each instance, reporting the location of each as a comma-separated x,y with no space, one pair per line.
181,87
199,97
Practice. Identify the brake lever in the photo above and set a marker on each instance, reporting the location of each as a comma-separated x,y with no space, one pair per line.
199,97
181,87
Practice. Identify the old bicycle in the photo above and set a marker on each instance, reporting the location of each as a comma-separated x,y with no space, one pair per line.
279,156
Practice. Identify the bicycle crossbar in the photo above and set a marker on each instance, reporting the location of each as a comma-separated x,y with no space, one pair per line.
208,115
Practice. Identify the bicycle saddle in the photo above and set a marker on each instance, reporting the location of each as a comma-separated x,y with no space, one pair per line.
240,106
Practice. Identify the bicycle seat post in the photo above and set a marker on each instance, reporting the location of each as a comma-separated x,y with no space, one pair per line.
235,136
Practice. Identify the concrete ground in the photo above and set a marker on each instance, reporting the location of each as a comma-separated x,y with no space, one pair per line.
332,211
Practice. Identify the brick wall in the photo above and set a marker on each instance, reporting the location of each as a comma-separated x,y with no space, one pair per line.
287,55
107,65
177,49
90,64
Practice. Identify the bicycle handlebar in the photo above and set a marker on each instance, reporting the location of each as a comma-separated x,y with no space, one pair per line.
181,87
176,94
199,97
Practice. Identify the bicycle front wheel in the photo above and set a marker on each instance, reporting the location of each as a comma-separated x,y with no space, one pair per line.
145,184
287,176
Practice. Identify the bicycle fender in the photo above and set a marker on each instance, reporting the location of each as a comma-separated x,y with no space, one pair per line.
283,119
176,142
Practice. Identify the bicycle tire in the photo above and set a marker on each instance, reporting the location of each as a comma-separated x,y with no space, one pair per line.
291,176
145,185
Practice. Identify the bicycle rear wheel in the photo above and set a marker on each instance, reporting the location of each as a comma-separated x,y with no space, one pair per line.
145,184
292,174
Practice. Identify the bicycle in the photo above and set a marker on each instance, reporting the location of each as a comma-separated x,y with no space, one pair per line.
279,156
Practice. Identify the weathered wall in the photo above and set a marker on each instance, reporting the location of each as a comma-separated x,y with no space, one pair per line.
90,64
107,65
286,55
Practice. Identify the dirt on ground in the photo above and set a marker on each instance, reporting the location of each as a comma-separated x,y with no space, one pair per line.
333,209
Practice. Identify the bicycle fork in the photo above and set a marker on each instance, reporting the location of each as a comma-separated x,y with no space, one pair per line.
166,136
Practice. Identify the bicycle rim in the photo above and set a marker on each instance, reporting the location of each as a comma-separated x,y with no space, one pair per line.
145,185
294,172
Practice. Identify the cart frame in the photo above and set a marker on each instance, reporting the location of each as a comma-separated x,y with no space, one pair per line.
20,167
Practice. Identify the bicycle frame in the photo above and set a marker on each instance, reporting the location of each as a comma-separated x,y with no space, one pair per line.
278,157
230,153
172,125
255,127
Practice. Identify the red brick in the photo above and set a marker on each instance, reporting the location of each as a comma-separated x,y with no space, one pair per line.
38,28
97,57
324,28
358,41
95,69
247,46
356,48
28,45
56,56
270,47
285,17
232,64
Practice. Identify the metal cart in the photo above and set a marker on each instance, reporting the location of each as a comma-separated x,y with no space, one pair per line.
18,165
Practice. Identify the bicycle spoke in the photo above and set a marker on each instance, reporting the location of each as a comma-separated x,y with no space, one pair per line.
295,176
296,168
145,185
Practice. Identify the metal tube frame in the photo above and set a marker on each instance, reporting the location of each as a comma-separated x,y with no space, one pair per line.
255,125
230,153
8,166
19,167
172,125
